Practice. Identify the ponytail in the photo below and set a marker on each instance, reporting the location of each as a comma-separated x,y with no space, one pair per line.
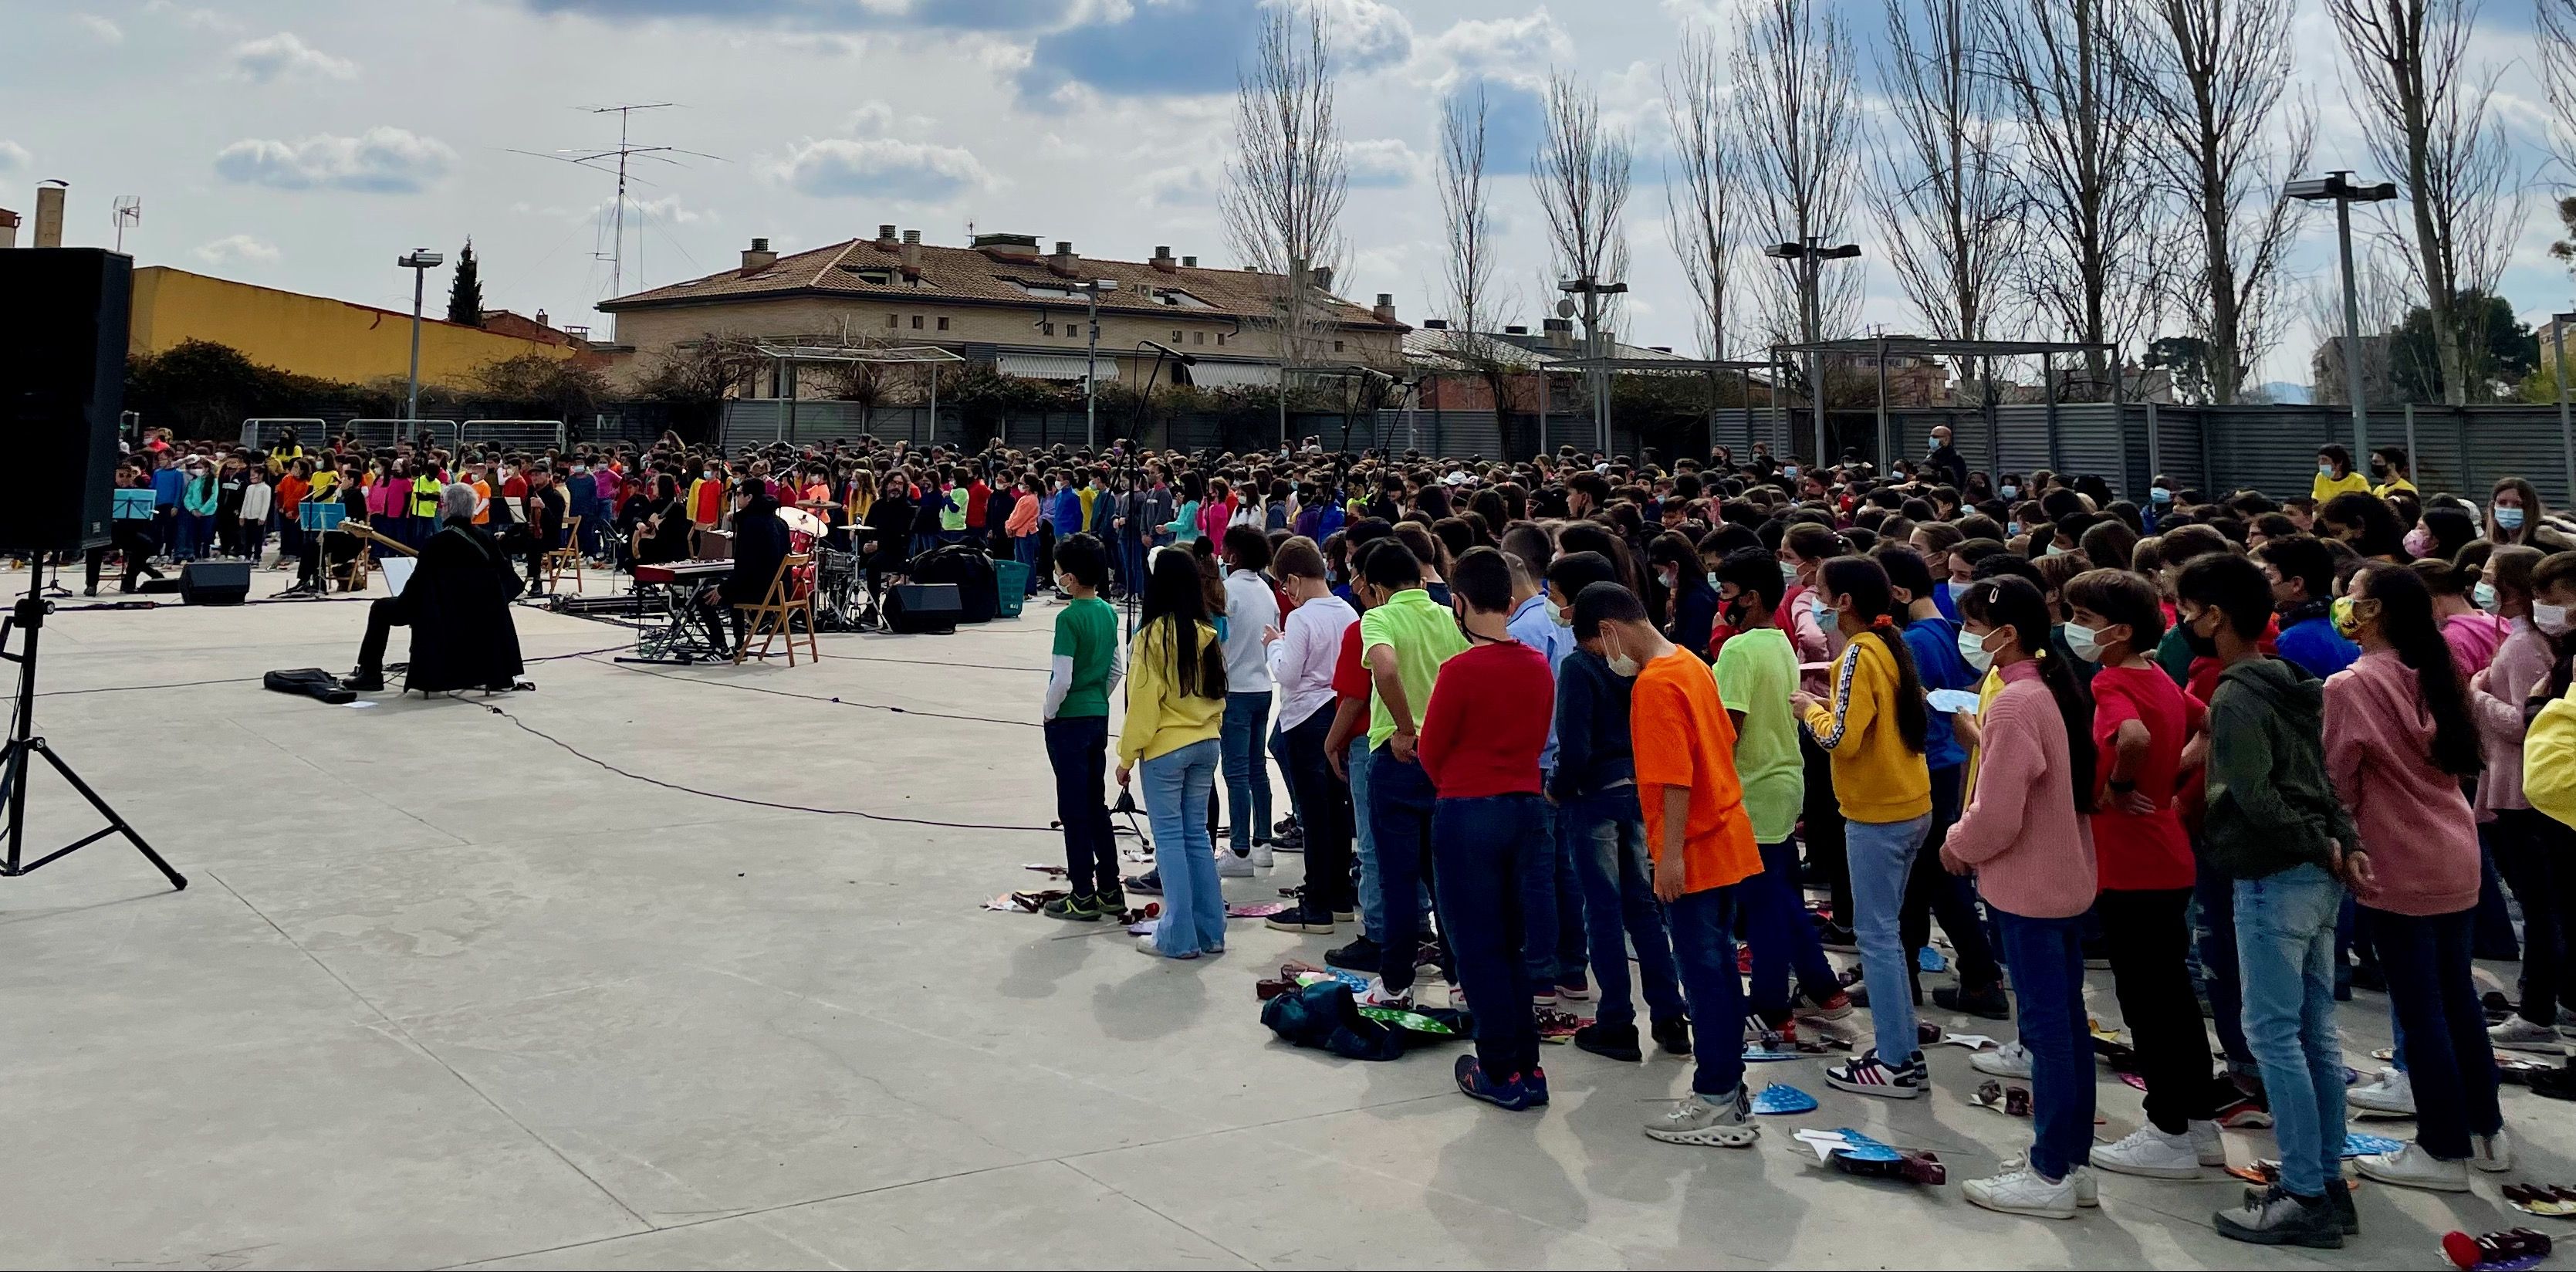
1862,582
2014,602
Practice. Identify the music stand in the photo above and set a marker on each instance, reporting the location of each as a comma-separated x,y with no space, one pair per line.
29,617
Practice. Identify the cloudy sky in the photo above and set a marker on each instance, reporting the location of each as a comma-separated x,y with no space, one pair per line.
305,145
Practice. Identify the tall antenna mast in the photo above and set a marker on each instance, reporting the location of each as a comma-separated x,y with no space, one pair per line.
625,152
617,245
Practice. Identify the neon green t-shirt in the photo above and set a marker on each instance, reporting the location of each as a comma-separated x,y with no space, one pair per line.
1086,631
1424,635
1756,672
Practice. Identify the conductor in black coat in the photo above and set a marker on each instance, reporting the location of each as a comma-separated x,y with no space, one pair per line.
759,544
457,604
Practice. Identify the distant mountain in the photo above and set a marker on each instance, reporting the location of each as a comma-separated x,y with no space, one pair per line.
2281,391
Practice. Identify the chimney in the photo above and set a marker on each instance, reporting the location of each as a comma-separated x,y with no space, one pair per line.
8,228
757,257
1189,262
1064,261
1163,260
886,237
541,319
912,254
1435,324
49,216
1322,277
1385,310
1560,332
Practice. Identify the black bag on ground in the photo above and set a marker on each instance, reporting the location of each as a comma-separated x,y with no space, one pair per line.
312,682
1327,1017
967,568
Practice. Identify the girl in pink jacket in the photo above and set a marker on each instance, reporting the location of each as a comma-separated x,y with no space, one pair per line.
2026,836
2398,739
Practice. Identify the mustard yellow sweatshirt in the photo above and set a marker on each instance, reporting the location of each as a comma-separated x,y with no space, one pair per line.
1160,720
1877,777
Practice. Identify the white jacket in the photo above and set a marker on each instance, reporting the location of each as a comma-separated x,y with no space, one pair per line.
1251,608
254,504
1304,658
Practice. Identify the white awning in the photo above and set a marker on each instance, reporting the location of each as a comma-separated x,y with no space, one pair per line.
1052,366
1235,375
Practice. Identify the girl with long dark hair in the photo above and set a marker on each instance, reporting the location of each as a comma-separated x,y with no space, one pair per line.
2025,835
1175,710
1873,724
2398,739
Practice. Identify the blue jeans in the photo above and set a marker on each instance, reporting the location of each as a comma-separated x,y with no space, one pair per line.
1882,857
1400,800
2047,958
2285,950
1247,773
2444,1041
1552,943
1702,923
1774,918
1605,835
1364,843
2214,903
1482,847
1024,549
1177,786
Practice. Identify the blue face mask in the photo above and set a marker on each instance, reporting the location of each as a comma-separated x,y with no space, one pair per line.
2508,518
2160,495
2010,492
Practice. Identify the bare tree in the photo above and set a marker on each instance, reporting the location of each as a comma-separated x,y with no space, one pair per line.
1468,269
2558,72
1796,106
1286,182
2379,289
1581,173
1943,184
2224,141
2423,110
1702,210
2092,264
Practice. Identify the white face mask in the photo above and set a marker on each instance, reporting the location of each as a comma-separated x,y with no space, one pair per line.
2084,642
1623,666
1973,648
1560,615
2326,471
2485,596
2550,618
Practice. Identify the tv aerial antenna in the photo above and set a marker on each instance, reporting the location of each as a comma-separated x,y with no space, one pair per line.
128,211
624,156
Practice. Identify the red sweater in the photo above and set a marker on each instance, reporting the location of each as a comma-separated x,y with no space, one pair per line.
1488,721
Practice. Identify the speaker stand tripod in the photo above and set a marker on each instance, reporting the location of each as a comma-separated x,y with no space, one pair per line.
15,770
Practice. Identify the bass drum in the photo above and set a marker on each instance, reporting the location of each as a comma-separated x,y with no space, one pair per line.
837,595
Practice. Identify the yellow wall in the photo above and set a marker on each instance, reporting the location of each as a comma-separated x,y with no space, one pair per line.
310,335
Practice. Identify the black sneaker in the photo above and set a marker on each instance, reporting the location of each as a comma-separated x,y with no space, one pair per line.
1304,918
2338,1199
1149,883
2279,1217
1615,1042
1989,1003
1112,903
1362,955
1839,939
1673,1034
2556,1084
363,682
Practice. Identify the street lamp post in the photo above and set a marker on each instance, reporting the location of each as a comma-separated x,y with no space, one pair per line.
1592,290
1810,255
2337,187
2558,325
1091,361
420,262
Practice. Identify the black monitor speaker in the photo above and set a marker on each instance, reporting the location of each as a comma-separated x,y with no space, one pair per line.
63,330
922,609
214,582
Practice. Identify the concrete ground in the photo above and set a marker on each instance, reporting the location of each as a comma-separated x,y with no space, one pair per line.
443,992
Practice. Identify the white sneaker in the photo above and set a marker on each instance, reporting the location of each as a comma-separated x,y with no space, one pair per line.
2393,1095
1232,865
1261,858
2011,1060
1378,995
2206,1144
2411,1167
2151,1153
2023,1192
2088,1186
2492,1153
1723,1122
2518,1034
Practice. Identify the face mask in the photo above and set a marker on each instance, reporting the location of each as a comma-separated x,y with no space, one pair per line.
2346,623
2484,594
1789,571
1790,472
2199,645
2378,469
2418,541
1973,649
1932,447
2508,518
2550,618
2010,492
1712,580
1824,614
2083,642
1670,579
2160,495
1623,666
2054,550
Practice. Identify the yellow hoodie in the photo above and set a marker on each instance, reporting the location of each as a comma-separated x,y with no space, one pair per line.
2549,761
1877,778
1159,719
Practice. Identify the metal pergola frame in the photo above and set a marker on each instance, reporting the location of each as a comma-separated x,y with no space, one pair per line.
1985,351
785,358
1710,367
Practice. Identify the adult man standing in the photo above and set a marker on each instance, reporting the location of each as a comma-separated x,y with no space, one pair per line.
1946,460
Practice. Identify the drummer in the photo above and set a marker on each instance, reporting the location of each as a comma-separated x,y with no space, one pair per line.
759,544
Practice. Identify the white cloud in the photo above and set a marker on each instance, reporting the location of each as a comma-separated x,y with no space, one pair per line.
1367,34
1518,50
877,119
379,161
192,19
884,167
106,32
1181,184
236,249
14,157
285,56
1383,162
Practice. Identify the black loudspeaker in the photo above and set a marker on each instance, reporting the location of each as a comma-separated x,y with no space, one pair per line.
214,582
63,331
923,609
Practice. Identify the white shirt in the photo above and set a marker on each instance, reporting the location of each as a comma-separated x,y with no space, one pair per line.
1303,659
1251,608
255,501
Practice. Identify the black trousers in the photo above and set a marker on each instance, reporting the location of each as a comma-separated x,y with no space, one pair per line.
1323,804
133,541
2147,940
1934,893
1078,751
382,617
2537,855
1823,829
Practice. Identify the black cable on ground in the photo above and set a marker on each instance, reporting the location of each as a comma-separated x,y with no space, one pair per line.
577,752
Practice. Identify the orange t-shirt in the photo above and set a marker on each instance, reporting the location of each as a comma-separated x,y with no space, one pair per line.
1683,737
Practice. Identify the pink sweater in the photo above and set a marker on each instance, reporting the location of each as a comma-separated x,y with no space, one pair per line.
2496,696
2423,840
2033,853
